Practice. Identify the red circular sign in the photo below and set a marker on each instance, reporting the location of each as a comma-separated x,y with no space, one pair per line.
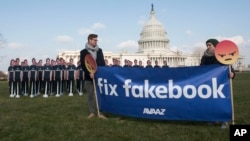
226,52
90,64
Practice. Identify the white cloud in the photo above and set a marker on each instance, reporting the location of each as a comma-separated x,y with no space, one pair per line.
187,49
85,31
129,45
2,58
238,40
98,26
2,44
189,32
200,44
92,28
61,50
64,39
15,45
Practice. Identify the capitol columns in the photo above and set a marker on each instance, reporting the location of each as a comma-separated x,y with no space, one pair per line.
148,56
161,59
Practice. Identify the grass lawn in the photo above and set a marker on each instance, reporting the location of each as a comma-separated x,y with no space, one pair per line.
64,119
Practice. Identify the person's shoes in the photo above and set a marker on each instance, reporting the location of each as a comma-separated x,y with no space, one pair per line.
102,117
91,115
224,125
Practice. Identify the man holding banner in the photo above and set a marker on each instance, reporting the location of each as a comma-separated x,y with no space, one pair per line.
209,58
93,49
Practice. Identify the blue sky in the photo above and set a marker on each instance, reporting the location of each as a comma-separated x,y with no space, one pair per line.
42,28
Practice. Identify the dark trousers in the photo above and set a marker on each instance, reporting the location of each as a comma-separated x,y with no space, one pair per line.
25,86
80,85
58,86
18,87
39,86
47,86
11,87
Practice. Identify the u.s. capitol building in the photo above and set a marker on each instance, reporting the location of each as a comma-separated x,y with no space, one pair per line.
152,45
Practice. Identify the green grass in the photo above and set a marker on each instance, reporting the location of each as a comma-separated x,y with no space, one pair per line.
64,119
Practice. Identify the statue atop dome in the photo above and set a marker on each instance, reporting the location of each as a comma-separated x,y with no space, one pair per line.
153,37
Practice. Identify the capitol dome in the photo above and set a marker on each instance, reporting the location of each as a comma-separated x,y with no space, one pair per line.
153,37
153,46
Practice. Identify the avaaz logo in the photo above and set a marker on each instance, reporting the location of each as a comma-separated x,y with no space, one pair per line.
154,111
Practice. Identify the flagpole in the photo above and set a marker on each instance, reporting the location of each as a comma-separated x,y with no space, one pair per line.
97,105
232,100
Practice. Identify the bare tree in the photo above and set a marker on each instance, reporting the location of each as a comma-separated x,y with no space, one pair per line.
3,76
2,41
2,45
198,52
